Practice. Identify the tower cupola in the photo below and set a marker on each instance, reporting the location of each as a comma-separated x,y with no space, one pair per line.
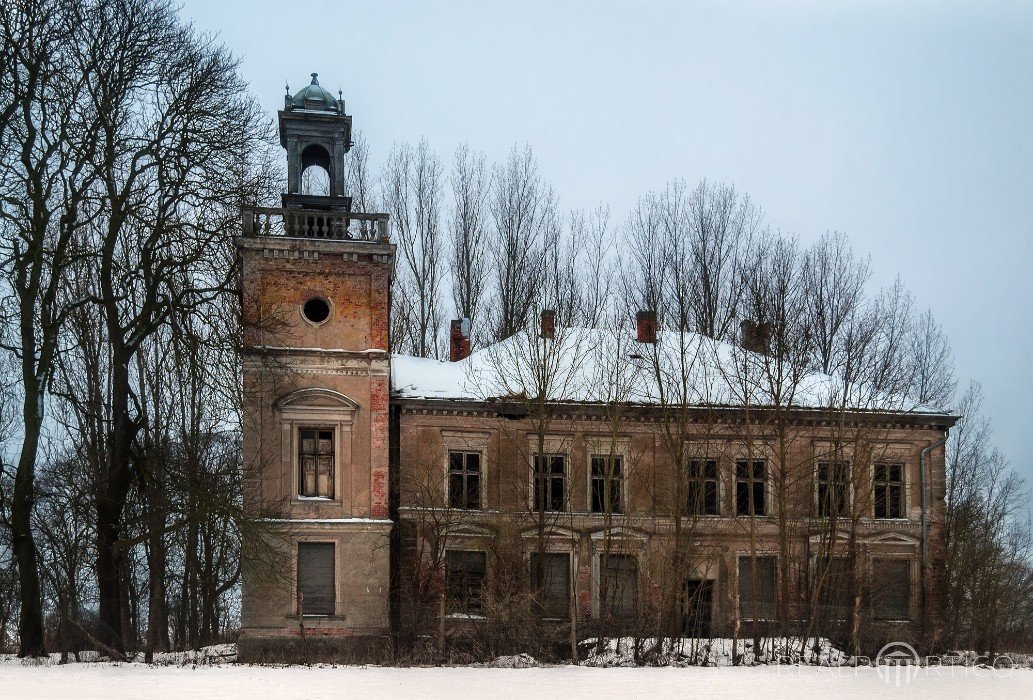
316,133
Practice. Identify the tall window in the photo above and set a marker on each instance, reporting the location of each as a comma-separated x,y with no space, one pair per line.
757,587
465,573
618,592
889,490
550,582
891,589
833,487
464,480
832,580
750,478
550,482
316,578
316,458
703,487
606,484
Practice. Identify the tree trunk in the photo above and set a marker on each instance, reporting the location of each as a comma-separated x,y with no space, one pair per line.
30,619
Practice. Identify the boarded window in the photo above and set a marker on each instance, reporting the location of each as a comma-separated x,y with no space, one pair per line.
550,482
606,484
889,490
891,589
757,588
464,480
833,488
619,587
316,578
465,573
835,592
550,581
750,477
702,487
316,459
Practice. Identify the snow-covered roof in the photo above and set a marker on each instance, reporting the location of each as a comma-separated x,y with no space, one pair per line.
588,365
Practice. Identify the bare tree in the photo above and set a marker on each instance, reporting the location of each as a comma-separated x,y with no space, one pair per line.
469,255
522,207
413,197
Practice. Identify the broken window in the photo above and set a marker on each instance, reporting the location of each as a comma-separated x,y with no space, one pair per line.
550,482
757,587
833,488
891,589
889,490
465,573
703,487
464,480
606,484
832,581
550,582
618,593
749,487
315,578
316,459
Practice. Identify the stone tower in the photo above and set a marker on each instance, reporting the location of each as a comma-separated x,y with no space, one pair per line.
315,279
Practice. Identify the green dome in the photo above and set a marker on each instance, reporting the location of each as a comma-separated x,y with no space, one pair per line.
312,96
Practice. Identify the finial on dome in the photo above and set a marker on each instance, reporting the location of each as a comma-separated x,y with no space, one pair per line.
314,81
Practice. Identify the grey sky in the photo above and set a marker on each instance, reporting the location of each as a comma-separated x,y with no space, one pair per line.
906,126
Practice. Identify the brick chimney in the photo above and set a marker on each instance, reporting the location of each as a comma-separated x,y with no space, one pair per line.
645,326
548,325
459,339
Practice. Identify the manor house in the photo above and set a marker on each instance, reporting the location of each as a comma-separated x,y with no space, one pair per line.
615,503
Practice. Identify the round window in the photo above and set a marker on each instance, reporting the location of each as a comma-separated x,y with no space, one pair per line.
316,310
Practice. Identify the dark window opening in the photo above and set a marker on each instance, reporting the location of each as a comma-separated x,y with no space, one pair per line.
316,578
316,459
464,480
550,482
889,491
757,588
891,589
618,592
703,487
550,582
697,605
606,484
833,488
316,310
750,480
465,573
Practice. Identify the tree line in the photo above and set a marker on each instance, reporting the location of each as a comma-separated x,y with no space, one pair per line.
128,144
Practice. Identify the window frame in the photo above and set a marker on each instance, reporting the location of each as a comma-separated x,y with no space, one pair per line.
535,480
912,582
465,473
745,615
752,481
901,484
466,614
319,408
690,479
299,609
300,429
622,477
571,581
598,604
847,490
465,441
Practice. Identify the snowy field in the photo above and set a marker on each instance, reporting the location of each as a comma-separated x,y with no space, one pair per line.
103,680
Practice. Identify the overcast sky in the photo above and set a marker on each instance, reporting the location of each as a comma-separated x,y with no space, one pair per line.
907,126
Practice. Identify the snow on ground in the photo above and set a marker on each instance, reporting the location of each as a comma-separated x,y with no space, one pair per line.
102,680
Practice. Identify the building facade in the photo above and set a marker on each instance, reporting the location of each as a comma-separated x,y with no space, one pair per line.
407,497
